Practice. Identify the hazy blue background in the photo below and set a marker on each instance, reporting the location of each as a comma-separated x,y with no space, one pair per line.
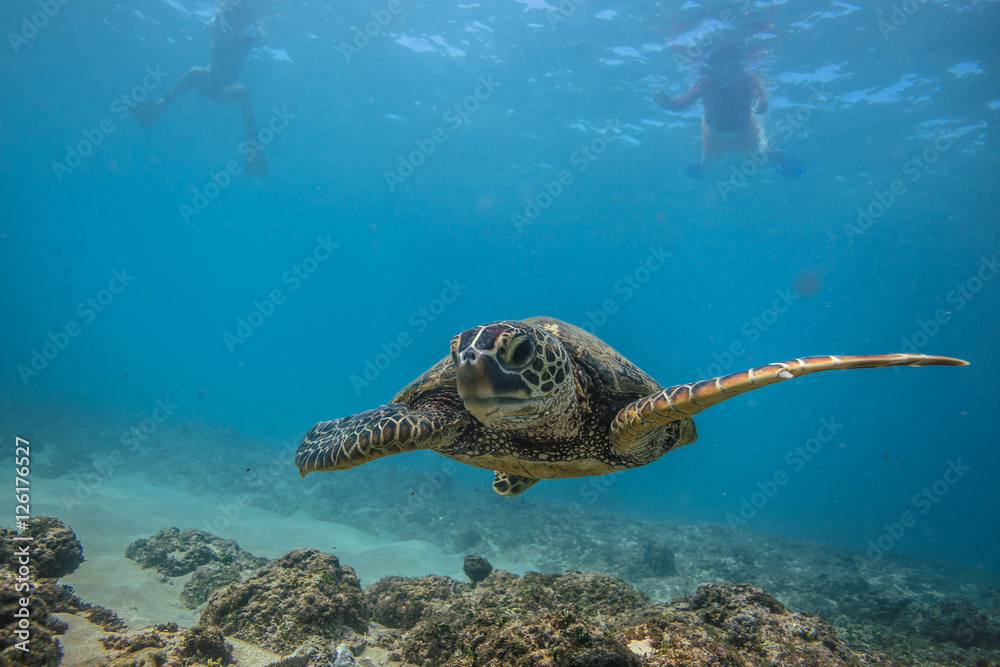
559,87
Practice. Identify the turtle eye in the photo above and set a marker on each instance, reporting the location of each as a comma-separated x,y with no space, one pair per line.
520,351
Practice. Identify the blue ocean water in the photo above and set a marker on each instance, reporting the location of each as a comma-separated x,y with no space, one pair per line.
504,159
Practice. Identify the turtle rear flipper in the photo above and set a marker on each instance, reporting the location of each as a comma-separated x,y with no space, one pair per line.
637,420
390,429
511,485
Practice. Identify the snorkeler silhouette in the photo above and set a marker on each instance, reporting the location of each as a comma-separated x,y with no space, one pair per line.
731,97
234,32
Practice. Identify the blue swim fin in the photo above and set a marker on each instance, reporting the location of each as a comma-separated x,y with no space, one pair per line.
254,164
694,170
787,164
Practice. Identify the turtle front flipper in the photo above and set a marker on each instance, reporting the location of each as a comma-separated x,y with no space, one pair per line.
390,429
638,419
511,485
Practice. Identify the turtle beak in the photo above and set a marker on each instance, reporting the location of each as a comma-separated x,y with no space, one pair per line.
474,372
485,387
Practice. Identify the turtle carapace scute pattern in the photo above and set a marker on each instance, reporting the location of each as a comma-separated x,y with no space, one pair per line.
540,399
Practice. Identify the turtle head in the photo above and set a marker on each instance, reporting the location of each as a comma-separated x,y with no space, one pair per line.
513,375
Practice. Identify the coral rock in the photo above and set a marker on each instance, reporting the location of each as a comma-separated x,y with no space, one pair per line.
305,593
537,619
476,568
737,625
174,552
53,552
400,602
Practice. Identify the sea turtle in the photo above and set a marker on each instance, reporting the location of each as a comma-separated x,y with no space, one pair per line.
539,399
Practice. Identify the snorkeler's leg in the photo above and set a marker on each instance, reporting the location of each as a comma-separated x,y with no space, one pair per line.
253,158
196,76
148,111
709,154
236,93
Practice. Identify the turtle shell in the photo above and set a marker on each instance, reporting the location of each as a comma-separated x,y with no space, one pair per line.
616,374
602,364
439,376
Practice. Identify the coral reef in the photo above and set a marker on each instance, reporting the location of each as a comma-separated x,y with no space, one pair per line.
554,638
53,551
894,605
310,608
305,593
206,645
205,580
593,619
607,600
738,625
174,552
168,645
215,562
41,626
907,608
400,602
